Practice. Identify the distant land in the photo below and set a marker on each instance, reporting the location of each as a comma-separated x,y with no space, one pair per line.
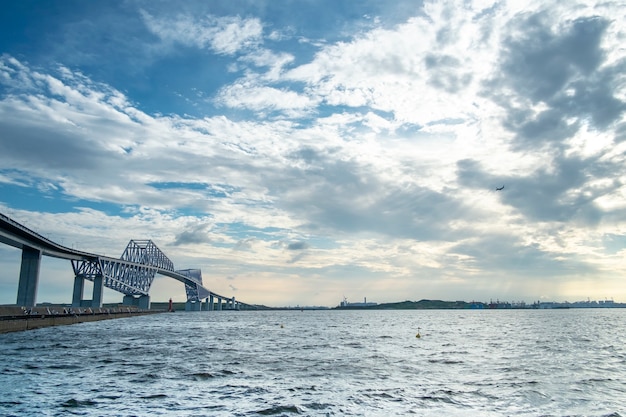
432,305
476,305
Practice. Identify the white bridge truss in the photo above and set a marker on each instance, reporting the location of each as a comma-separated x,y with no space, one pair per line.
194,292
134,272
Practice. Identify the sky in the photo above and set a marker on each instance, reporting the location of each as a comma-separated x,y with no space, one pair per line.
300,152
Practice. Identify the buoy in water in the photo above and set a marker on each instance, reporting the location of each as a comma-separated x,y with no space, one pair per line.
418,335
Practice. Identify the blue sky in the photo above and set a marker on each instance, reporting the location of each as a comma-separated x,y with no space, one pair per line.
302,151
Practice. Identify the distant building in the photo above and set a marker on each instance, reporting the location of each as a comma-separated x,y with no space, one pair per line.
345,304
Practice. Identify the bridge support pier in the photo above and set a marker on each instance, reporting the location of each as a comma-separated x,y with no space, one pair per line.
219,304
29,277
193,306
79,287
129,300
211,303
142,302
98,288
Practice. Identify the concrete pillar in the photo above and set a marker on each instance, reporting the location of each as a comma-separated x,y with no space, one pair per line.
129,300
219,304
29,277
211,304
144,302
98,288
193,306
79,286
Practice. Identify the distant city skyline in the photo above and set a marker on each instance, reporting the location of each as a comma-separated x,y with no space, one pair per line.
300,152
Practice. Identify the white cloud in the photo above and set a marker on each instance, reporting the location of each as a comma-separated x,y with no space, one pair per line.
387,69
264,99
274,61
224,35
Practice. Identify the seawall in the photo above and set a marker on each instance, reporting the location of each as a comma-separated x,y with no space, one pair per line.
17,319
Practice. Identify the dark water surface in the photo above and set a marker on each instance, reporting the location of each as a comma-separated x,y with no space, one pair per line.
319,363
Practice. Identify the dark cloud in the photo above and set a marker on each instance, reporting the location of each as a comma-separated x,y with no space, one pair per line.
31,142
445,73
594,98
244,244
499,252
197,233
350,197
539,62
306,154
471,174
295,259
561,191
549,126
555,194
562,69
301,245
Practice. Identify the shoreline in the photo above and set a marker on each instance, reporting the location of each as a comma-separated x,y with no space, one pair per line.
15,319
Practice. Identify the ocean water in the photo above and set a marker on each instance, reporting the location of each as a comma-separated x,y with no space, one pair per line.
322,363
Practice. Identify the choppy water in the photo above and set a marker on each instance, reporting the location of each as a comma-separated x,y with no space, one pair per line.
318,363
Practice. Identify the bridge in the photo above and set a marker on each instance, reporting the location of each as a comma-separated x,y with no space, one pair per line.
131,274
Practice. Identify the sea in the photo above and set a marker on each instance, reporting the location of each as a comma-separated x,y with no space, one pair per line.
565,362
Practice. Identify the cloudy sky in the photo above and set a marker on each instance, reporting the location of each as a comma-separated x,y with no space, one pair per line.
302,151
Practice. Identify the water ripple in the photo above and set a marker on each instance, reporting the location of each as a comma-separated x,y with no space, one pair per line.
326,363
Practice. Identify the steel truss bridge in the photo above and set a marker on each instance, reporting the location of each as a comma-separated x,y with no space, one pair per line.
132,274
